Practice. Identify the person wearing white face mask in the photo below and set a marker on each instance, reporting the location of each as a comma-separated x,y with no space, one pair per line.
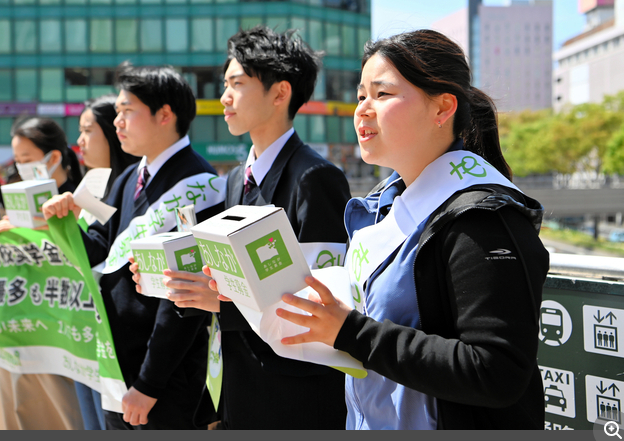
37,141
41,141
40,401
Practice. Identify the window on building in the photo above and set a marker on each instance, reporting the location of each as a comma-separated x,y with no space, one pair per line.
349,86
5,130
75,35
101,81
177,34
319,88
25,36
151,35
332,38
126,31
76,84
250,22
101,35
300,124
72,126
301,27
51,85
279,23
333,129
5,36
6,85
225,27
207,81
348,41
363,36
317,128
202,35
348,132
203,129
333,84
315,36
26,85
341,85
101,77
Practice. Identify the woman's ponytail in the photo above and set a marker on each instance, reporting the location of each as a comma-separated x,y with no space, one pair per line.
481,134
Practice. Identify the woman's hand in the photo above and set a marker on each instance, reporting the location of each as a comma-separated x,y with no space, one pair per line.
328,315
194,290
213,284
60,206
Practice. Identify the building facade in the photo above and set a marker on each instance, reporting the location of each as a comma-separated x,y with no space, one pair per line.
55,54
509,49
591,65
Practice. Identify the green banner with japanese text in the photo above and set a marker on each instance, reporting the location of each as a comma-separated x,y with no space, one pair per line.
52,316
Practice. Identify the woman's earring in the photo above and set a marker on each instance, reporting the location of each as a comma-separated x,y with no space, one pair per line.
439,124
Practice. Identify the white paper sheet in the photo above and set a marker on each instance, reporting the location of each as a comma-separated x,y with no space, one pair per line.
89,192
96,180
272,328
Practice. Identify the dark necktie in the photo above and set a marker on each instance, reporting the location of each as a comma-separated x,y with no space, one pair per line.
251,190
249,181
143,177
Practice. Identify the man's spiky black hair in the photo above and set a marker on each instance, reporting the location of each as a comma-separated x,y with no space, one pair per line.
273,57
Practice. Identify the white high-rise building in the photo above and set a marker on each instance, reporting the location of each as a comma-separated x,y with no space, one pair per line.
591,65
509,49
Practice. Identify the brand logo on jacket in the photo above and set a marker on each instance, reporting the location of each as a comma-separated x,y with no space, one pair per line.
500,254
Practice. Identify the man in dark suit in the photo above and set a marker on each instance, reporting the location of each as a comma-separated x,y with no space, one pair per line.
268,77
162,357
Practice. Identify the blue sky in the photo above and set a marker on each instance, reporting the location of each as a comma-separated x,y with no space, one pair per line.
393,16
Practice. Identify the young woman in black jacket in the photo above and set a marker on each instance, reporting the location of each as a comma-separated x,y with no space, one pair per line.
445,261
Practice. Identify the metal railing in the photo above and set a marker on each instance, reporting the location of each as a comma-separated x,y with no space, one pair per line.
590,267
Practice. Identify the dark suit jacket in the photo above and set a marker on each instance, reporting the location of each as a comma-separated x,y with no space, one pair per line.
260,389
160,354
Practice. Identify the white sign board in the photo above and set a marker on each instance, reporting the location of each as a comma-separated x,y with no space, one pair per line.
601,330
604,399
555,323
559,396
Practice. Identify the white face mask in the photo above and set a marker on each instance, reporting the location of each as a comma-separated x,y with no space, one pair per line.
36,169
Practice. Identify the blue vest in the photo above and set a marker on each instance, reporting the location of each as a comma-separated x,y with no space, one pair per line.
376,402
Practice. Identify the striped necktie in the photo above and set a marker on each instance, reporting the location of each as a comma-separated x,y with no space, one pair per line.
141,182
249,181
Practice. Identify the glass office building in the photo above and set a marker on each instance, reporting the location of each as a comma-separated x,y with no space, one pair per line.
54,54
